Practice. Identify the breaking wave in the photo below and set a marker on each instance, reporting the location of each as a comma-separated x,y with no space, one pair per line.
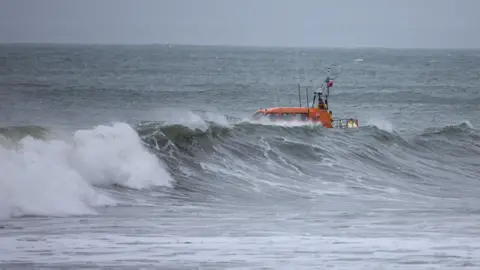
58,177
243,162
256,154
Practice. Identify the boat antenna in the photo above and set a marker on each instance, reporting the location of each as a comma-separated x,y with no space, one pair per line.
299,98
306,91
328,82
306,85
327,86
298,85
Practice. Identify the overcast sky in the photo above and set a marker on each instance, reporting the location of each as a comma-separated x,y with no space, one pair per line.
333,23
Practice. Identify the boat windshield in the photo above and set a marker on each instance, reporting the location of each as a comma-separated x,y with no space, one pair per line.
289,116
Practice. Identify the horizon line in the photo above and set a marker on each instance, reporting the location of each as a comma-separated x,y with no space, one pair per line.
231,45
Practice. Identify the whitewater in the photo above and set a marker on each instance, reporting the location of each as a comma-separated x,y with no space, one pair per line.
56,177
145,157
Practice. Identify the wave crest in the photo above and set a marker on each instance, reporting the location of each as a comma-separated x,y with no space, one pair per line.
16,133
464,128
56,177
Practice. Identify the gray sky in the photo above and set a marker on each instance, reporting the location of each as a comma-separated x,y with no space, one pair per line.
333,23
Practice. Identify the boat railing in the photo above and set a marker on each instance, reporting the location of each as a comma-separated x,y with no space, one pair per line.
343,123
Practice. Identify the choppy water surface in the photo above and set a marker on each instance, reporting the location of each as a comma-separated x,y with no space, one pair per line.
144,156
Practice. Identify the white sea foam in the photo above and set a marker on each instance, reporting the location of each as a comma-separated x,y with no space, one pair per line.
382,124
191,119
284,123
57,177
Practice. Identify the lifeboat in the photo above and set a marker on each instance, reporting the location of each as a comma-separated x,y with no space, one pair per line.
316,113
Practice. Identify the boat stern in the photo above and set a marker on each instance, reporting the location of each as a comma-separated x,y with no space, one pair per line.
345,123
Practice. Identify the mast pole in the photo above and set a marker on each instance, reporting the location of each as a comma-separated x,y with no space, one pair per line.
306,88
327,82
299,98
306,91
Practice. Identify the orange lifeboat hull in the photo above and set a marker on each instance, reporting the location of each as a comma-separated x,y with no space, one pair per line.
315,115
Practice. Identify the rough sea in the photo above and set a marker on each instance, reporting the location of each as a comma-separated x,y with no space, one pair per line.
144,157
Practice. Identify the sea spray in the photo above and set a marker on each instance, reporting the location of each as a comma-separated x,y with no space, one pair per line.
57,177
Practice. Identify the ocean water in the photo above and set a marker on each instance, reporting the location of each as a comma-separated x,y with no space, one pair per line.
144,157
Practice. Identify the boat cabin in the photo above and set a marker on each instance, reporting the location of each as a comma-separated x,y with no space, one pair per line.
295,114
281,116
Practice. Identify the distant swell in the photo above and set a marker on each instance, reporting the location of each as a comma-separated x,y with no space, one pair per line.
464,128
